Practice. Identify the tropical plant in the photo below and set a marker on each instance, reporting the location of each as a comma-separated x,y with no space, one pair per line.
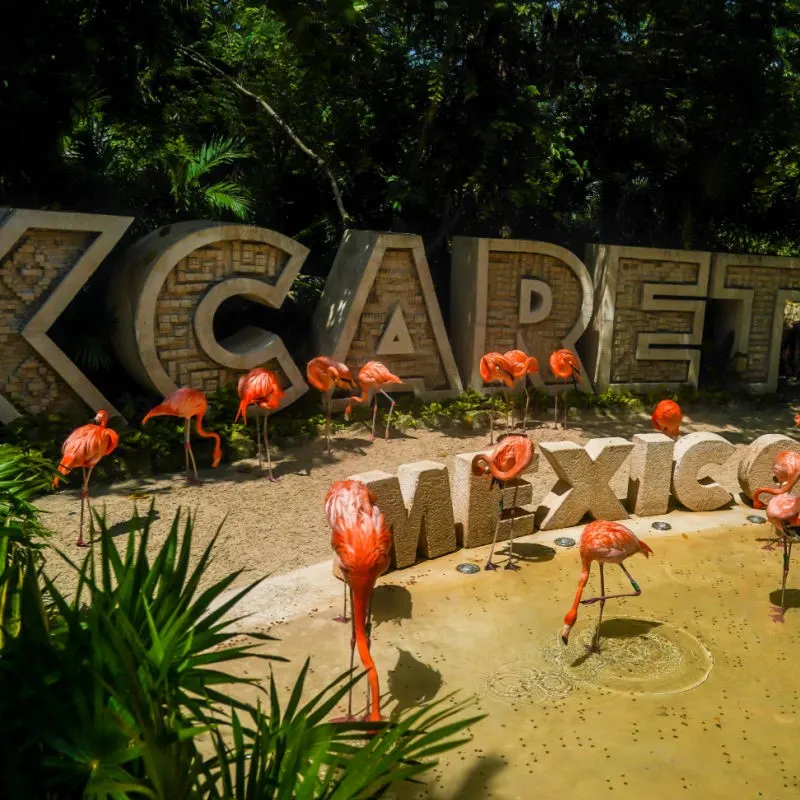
111,699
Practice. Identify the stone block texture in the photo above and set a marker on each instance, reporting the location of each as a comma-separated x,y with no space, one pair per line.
29,272
503,328
176,342
693,454
755,468
650,474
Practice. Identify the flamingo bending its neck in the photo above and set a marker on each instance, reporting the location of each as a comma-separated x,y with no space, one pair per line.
188,403
523,365
260,387
373,376
496,368
507,461
606,543
667,418
326,375
83,449
362,543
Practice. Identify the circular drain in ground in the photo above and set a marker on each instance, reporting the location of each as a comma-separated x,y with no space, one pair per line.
518,682
638,656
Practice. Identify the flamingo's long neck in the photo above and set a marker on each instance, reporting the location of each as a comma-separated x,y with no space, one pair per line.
786,487
499,475
209,435
357,398
361,594
572,614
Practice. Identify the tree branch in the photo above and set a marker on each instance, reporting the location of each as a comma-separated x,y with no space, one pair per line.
206,64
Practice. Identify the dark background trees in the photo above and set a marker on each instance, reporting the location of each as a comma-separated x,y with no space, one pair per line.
659,122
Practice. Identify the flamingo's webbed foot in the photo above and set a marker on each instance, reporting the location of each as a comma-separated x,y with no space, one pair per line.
511,565
777,614
490,565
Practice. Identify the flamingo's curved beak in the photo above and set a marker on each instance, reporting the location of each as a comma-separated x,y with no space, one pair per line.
565,633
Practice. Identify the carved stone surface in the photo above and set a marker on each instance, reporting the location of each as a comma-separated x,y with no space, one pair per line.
694,452
492,280
650,474
755,468
418,509
756,288
476,507
45,259
584,476
171,284
376,277
648,301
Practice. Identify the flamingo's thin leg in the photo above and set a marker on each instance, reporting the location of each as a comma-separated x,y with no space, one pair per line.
635,593
595,648
489,564
510,563
555,411
260,444
374,415
391,409
343,618
787,554
328,420
266,444
84,499
186,434
525,413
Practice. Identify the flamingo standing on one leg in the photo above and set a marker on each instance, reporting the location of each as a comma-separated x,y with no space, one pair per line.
343,499
373,376
362,543
507,461
564,365
188,403
524,365
783,511
667,418
84,448
260,387
496,368
606,543
325,375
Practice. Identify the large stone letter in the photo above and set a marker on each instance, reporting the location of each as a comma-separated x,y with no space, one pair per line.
651,474
756,289
511,293
583,488
693,452
647,330
169,287
755,468
379,302
476,507
45,259
418,510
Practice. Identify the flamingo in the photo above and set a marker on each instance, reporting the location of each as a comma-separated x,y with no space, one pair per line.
188,403
373,376
341,499
783,511
496,368
524,365
325,375
797,420
606,543
362,543
667,418
507,461
260,387
84,448
564,365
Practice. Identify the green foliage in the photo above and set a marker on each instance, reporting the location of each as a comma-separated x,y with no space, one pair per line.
111,698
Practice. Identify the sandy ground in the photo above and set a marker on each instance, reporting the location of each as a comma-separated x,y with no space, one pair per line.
694,693
273,528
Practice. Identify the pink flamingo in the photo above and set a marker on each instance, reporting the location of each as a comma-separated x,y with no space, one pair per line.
260,387
325,375
363,544
523,365
373,376
496,368
507,461
188,403
606,543
667,418
342,501
83,449
564,365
